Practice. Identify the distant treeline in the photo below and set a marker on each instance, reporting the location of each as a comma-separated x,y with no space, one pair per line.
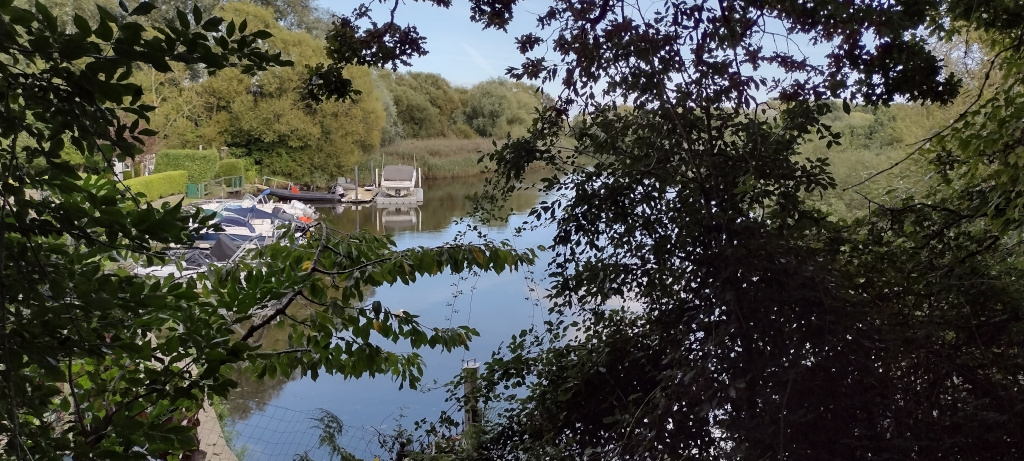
268,122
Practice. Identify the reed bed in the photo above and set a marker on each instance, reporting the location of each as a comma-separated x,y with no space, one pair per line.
438,158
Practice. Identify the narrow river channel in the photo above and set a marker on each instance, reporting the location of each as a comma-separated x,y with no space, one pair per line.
271,420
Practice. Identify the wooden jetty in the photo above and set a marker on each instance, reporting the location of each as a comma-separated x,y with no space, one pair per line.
360,195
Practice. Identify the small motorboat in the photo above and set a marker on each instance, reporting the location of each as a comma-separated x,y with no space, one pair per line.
293,193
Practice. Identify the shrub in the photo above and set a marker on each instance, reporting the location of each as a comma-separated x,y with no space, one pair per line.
201,165
252,174
159,185
230,167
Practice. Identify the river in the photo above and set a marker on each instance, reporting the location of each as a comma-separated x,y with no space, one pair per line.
271,420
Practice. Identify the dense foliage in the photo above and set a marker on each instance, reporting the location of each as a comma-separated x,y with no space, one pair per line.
200,165
270,121
97,362
705,304
158,185
230,167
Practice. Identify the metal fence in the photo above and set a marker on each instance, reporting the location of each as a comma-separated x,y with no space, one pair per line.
216,187
278,433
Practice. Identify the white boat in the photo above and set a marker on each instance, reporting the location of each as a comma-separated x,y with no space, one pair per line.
246,225
400,185
262,202
398,180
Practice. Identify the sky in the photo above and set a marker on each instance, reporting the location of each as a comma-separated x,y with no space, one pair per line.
465,54
459,50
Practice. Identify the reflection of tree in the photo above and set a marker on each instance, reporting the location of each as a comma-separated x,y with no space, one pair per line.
252,395
447,199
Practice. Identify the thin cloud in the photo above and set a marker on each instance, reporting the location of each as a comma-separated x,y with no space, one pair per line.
480,61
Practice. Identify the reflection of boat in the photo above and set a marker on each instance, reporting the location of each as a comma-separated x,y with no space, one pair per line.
399,217
398,185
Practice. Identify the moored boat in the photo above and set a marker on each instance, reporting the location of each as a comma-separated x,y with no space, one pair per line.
307,196
398,180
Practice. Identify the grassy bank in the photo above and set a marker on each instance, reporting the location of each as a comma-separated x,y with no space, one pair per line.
438,158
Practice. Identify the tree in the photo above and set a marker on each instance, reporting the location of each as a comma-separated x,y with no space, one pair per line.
753,324
496,107
265,117
393,130
304,15
98,363
438,93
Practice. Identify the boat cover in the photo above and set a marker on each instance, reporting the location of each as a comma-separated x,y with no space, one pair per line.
236,221
398,173
304,196
224,248
252,213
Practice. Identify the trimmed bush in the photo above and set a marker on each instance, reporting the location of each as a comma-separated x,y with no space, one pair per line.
201,165
160,185
230,167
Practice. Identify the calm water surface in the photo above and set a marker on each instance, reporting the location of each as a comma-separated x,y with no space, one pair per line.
270,419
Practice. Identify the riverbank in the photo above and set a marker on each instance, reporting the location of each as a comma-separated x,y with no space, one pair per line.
211,437
440,158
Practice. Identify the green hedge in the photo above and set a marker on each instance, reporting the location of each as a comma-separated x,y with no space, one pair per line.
201,165
160,185
230,167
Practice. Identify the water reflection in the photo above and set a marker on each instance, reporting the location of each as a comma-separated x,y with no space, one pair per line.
498,306
395,218
443,202
253,395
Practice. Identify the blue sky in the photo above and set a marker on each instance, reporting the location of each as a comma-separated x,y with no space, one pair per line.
465,54
459,50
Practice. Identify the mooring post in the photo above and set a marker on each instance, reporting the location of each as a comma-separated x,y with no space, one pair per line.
471,409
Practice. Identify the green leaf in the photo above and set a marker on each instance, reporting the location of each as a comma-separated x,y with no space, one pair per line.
183,20
143,9
197,14
213,24
230,31
82,25
846,106
261,34
103,31
105,14
46,16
